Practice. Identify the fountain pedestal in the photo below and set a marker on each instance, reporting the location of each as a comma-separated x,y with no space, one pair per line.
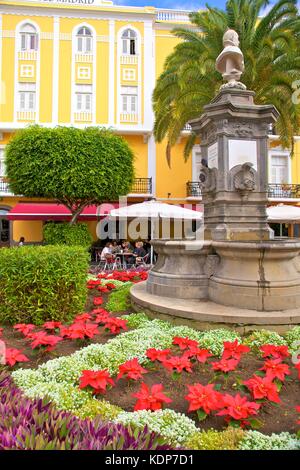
256,280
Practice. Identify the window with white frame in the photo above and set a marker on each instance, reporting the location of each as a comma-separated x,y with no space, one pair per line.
84,40
129,98
27,71
28,38
129,42
27,97
2,164
83,98
129,74
84,73
279,169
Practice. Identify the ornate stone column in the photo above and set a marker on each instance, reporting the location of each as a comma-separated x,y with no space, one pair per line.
234,144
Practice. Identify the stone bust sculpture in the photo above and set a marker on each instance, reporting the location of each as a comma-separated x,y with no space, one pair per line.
230,63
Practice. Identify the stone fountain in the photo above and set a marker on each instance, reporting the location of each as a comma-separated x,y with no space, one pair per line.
239,274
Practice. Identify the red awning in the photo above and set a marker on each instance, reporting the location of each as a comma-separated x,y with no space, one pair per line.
52,211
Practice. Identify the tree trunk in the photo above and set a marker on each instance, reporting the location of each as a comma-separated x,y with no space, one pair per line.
76,214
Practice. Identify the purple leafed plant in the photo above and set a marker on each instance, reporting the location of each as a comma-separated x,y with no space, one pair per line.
27,424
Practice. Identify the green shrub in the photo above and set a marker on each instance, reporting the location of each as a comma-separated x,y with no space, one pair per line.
293,339
215,440
119,300
254,440
102,408
39,283
65,234
258,338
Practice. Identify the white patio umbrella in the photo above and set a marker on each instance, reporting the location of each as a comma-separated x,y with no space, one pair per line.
283,214
155,210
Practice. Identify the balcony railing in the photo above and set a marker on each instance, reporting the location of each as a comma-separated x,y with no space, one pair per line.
4,185
175,16
129,117
84,58
83,116
26,115
129,59
275,191
27,55
142,186
284,191
193,189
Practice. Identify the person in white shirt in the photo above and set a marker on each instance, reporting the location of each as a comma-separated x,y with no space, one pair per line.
106,252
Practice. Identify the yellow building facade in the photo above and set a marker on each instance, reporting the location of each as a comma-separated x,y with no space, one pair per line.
89,62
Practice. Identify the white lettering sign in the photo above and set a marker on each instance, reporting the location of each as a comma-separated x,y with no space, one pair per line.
242,151
212,156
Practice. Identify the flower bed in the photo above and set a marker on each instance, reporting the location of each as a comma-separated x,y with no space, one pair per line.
197,389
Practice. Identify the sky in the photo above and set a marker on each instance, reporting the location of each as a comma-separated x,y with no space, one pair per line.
173,4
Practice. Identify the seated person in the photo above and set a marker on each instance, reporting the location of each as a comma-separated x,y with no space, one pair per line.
139,251
115,247
107,252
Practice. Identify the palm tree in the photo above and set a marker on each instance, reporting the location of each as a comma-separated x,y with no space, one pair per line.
271,47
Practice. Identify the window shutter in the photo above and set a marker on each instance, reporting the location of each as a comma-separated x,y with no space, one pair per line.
88,44
31,101
23,42
22,101
79,102
88,102
79,44
125,46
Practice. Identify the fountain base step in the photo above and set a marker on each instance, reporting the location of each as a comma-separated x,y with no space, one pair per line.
207,314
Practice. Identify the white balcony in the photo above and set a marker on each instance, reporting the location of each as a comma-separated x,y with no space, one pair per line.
84,58
129,59
26,115
173,16
83,116
27,55
129,117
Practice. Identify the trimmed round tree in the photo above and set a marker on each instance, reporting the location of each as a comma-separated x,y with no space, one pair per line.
76,167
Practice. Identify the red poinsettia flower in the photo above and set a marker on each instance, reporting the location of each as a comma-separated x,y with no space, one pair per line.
51,325
276,369
178,364
42,339
185,343
262,387
24,328
97,311
98,380
158,354
115,325
297,366
234,350
200,354
277,352
81,330
150,399
298,411
82,317
238,407
12,356
110,285
132,369
93,283
103,289
102,317
1,331
225,365
98,300
204,397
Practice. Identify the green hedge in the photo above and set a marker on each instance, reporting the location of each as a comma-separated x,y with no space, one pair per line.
39,283
65,234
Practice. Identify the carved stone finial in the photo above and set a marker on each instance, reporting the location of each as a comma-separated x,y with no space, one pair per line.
230,63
